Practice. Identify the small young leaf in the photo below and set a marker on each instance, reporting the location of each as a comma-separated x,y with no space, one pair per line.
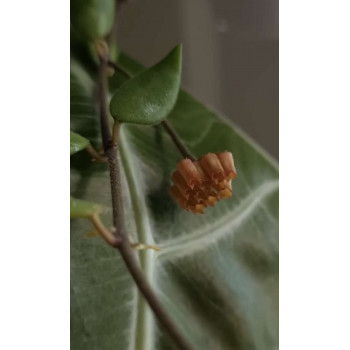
150,96
77,143
83,209
92,19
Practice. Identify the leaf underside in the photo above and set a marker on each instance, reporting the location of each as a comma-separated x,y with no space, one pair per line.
217,273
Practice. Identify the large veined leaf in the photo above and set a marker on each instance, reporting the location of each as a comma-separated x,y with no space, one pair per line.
216,274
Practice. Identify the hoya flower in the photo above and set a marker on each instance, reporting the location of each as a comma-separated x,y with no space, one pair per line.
201,183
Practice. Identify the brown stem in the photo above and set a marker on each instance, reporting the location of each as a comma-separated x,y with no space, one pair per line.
94,154
176,139
151,298
111,151
103,231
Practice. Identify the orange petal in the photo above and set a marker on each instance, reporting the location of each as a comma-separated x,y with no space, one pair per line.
201,171
211,200
221,185
189,172
227,162
226,193
200,196
206,181
197,209
177,196
181,184
212,167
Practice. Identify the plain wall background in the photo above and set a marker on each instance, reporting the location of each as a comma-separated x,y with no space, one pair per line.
230,54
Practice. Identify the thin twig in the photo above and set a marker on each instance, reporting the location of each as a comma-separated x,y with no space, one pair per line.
102,93
176,139
111,151
103,231
94,154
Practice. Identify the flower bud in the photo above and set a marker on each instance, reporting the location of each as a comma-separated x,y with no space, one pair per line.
189,172
228,164
211,165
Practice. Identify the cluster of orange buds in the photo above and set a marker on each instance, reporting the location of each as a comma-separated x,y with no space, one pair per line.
201,183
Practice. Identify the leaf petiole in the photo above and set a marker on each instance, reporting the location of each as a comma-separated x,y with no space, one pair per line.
95,155
104,232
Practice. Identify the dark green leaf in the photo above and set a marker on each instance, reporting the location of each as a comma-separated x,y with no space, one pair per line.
150,96
92,19
216,274
77,142
83,209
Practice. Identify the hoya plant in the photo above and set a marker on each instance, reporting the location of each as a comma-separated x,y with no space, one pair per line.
174,210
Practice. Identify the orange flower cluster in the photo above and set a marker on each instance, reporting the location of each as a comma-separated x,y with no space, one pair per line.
200,183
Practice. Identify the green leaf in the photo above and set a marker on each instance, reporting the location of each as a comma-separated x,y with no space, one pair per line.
77,142
83,209
216,273
92,19
150,96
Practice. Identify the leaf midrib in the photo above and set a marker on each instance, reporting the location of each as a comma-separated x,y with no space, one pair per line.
143,326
